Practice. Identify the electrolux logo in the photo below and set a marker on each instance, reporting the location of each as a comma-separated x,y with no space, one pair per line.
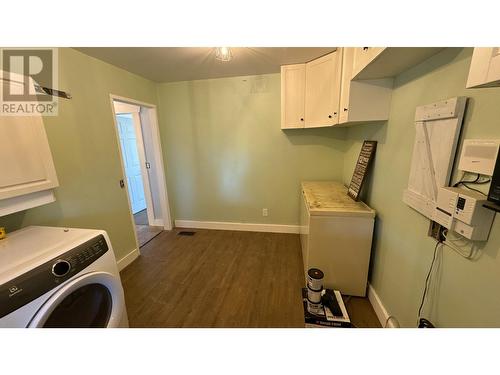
25,72
13,290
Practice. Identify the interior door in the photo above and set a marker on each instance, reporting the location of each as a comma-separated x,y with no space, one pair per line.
131,161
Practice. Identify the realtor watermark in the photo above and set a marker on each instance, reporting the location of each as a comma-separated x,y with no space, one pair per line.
28,76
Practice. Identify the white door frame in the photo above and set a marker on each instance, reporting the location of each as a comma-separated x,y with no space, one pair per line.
134,110
149,116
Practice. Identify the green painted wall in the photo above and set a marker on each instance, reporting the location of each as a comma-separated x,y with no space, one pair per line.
464,292
227,158
85,151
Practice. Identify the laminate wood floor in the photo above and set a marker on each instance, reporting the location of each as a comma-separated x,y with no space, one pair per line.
222,279
146,233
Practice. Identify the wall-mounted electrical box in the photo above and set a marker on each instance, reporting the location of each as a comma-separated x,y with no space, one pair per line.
484,68
462,211
479,156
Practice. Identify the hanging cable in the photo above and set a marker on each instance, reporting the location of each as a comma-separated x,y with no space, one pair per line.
427,281
476,181
464,181
468,187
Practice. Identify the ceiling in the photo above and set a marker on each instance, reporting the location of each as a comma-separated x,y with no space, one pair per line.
170,64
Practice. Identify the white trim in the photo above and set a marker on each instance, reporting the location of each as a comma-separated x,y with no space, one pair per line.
146,183
127,259
157,223
379,308
153,120
125,108
150,116
249,227
122,164
139,125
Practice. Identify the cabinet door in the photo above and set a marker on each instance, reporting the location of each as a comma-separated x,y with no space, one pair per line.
293,81
494,66
363,56
323,90
27,165
347,65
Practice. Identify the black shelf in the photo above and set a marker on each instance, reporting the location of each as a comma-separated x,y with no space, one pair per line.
492,206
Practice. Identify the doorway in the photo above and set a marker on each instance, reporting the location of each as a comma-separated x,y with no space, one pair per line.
141,157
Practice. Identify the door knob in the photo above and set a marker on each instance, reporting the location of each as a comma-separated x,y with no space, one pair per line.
301,119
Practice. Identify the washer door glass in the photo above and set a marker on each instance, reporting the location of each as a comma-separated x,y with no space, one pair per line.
87,307
94,299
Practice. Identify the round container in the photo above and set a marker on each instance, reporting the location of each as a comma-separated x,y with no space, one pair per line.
315,279
315,308
314,295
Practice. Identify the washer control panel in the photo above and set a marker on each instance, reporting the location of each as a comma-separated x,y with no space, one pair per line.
31,285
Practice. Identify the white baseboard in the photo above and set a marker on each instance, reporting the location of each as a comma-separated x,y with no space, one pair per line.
379,308
249,227
127,259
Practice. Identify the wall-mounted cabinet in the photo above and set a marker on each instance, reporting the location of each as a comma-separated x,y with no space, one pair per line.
362,57
484,68
28,174
321,93
364,100
323,76
293,86
388,62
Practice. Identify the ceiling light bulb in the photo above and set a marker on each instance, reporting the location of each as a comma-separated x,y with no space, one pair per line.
223,54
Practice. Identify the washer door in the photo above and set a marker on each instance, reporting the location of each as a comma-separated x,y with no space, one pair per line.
93,300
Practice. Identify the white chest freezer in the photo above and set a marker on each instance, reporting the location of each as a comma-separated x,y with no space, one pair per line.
336,236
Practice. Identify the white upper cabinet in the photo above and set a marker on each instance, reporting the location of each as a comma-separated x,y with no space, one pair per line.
347,68
27,166
362,56
350,85
484,68
363,100
323,77
388,62
293,83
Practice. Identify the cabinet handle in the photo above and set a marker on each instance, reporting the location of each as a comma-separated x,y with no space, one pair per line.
345,109
329,116
301,119
365,48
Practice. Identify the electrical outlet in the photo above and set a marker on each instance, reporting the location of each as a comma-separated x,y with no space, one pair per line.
436,231
265,212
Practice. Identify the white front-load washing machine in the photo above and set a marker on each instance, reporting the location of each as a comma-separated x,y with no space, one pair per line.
60,277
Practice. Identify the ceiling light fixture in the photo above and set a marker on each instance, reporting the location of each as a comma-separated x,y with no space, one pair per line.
223,53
